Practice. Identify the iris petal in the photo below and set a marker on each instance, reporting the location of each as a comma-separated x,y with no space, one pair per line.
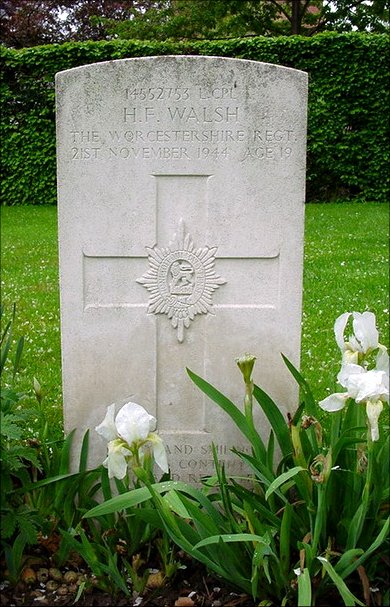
382,359
334,402
370,385
133,423
346,371
374,409
107,428
365,330
160,455
339,328
116,460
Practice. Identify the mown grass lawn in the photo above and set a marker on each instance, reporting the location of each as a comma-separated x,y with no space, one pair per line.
346,268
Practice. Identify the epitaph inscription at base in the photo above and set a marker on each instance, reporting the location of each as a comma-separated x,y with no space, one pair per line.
181,204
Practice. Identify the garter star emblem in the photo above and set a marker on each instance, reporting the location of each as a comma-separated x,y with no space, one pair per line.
181,280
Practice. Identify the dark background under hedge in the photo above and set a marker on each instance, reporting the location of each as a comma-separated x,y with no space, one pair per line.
348,126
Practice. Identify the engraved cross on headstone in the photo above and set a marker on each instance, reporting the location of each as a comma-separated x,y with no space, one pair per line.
181,246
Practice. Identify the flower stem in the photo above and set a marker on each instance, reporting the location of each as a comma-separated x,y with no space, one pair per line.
357,523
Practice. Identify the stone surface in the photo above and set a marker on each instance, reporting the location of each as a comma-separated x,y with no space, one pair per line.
181,211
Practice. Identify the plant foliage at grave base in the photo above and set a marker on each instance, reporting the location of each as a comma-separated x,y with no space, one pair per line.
42,501
38,494
348,125
312,529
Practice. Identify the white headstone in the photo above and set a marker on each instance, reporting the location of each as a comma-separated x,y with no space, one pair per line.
181,210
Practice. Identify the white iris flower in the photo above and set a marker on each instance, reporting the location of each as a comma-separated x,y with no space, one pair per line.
364,386
128,433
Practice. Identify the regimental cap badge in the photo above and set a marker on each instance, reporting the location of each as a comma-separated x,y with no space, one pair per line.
181,280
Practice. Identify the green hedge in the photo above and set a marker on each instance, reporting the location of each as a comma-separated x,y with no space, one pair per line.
348,154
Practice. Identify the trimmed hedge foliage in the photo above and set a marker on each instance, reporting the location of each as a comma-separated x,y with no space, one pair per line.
348,155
